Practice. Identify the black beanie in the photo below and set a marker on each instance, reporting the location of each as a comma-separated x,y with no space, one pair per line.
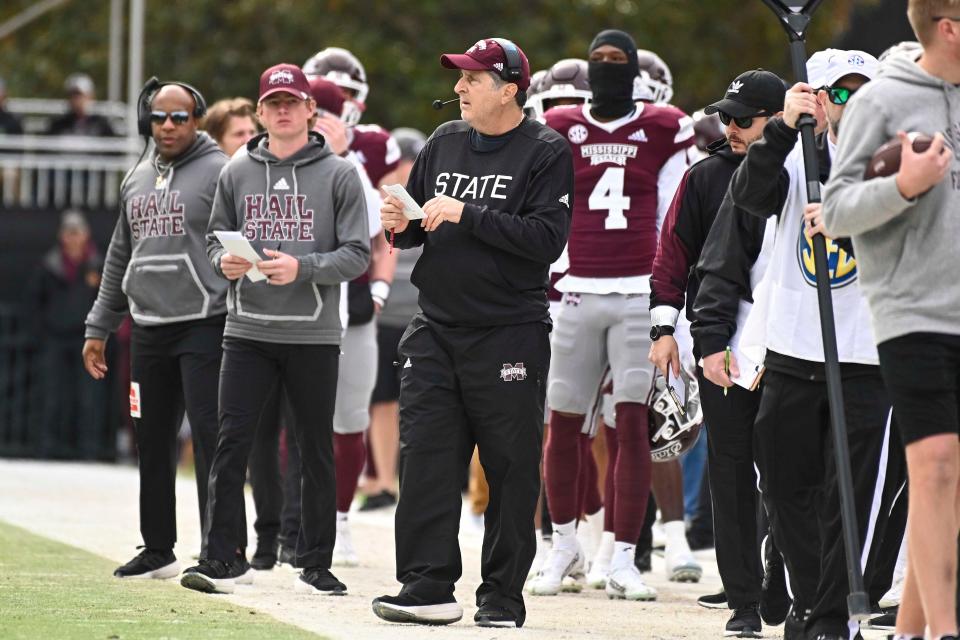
621,40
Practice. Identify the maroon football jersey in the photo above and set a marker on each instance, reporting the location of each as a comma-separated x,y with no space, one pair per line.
377,150
614,228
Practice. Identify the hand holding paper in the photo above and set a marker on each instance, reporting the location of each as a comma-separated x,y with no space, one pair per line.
239,247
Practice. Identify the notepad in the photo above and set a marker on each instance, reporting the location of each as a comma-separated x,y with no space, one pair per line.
411,210
237,245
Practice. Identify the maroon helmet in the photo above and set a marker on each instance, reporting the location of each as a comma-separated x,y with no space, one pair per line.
340,67
673,432
706,129
655,83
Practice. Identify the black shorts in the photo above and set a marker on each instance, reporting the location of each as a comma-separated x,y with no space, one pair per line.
387,388
922,374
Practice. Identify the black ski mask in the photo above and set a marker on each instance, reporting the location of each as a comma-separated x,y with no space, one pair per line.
611,82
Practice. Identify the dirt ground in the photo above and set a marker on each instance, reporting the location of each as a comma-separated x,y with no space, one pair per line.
94,507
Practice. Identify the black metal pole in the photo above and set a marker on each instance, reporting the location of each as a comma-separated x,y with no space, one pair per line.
795,23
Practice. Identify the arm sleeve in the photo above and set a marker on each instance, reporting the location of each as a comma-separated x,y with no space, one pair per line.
671,265
414,235
731,249
223,217
110,307
760,184
352,255
852,206
671,173
541,232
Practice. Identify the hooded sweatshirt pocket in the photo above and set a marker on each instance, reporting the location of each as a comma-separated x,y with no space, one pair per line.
294,302
165,288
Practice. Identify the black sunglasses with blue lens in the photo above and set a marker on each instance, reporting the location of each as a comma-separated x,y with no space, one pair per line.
178,117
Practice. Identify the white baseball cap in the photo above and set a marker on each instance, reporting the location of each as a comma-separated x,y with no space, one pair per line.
842,63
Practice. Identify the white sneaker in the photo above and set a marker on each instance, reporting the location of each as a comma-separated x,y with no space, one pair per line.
892,597
344,554
680,563
597,576
559,564
543,548
625,583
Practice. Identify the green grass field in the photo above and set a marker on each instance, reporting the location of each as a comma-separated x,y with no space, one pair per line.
52,590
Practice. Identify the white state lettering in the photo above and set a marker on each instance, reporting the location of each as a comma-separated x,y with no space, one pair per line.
483,189
471,190
500,183
441,184
459,177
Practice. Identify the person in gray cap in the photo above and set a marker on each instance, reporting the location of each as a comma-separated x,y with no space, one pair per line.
78,121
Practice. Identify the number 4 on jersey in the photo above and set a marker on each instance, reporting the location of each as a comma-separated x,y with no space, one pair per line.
608,195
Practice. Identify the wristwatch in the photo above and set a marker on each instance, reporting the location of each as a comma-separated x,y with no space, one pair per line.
660,330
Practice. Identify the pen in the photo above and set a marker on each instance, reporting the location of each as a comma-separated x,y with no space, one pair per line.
726,366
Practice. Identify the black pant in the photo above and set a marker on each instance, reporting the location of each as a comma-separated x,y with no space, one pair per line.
794,451
461,387
276,494
250,374
174,367
733,488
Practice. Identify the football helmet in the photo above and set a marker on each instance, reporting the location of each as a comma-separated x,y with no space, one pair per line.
535,81
672,432
566,80
342,68
706,129
655,82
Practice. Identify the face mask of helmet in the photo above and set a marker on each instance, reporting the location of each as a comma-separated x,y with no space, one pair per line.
673,433
612,86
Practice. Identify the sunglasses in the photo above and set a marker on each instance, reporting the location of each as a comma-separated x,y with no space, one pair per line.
178,117
839,95
743,123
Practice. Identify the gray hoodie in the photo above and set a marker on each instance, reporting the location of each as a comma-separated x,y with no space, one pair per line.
156,263
310,205
906,249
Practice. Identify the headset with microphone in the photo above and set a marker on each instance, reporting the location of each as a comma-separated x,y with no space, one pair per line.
512,71
149,91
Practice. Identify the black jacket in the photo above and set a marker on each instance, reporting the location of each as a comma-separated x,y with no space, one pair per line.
674,281
491,268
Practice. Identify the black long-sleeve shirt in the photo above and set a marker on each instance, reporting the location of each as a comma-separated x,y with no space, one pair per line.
491,268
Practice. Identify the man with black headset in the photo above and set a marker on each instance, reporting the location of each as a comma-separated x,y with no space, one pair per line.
158,256
496,189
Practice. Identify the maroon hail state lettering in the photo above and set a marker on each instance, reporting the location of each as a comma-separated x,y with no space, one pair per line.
277,217
152,216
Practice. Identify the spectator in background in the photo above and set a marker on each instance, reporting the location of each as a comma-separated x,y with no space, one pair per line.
231,122
78,121
384,434
75,409
9,123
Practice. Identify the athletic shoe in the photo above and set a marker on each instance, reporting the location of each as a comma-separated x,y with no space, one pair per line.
210,576
344,554
543,548
243,570
892,597
886,621
559,564
774,599
404,608
490,616
625,583
319,581
793,626
680,564
837,636
287,557
744,623
265,557
379,501
597,576
150,564
713,600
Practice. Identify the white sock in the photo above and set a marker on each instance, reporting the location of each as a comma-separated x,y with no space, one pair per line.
605,549
341,516
565,536
676,532
622,555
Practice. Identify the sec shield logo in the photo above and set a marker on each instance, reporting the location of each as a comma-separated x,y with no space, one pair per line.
578,134
842,266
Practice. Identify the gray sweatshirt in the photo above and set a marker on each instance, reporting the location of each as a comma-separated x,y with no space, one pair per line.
310,205
157,263
906,249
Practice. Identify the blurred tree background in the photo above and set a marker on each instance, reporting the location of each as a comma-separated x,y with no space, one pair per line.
222,46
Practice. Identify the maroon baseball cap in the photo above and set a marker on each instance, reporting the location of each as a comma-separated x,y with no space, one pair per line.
286,78
487,55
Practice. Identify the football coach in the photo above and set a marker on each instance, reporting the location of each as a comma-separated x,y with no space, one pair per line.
496,189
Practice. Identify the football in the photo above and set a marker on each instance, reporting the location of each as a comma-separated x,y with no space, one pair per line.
886,160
